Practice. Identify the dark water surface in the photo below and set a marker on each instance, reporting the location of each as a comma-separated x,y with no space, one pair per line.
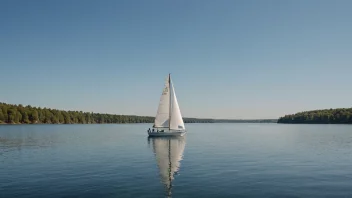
213,160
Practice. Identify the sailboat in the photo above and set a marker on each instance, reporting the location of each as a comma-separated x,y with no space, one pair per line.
168,120
169,154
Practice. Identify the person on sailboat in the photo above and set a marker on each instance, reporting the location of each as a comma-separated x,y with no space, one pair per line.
149,130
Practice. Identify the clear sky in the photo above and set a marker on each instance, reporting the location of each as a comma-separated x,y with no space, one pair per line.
228,59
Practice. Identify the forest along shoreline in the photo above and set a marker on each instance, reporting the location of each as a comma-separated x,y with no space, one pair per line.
19,114
324,116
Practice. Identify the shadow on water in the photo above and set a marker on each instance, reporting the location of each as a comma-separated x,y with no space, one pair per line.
168,152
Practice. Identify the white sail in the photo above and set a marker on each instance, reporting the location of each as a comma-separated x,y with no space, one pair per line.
162,116
176,122
168,153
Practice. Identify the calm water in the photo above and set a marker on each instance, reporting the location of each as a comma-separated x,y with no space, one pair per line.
213,160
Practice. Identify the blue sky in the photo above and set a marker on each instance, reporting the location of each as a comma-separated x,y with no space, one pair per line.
228,59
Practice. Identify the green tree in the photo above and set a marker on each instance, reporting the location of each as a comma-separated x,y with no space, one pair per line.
88,118
11,115
61,117
2,117
25,118
18,117
67,118
34,118
41,115
4,111
54,119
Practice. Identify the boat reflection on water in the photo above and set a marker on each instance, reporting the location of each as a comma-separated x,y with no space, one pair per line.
168,153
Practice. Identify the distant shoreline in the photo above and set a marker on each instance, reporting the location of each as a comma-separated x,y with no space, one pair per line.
8,124
19,114
215,122
323,116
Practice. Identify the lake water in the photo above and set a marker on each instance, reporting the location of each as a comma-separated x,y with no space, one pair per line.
212,160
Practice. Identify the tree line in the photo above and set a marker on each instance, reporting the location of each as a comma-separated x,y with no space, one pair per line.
19,114
325,116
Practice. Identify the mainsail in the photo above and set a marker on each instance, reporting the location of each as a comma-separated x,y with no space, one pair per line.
169,114
162,116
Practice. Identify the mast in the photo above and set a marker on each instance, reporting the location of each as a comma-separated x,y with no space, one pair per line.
169,101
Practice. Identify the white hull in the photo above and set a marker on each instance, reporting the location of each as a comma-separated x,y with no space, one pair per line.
167,134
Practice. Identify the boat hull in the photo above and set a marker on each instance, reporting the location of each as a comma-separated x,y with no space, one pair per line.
167,134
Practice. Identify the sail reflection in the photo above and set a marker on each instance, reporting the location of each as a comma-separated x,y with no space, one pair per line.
168,153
